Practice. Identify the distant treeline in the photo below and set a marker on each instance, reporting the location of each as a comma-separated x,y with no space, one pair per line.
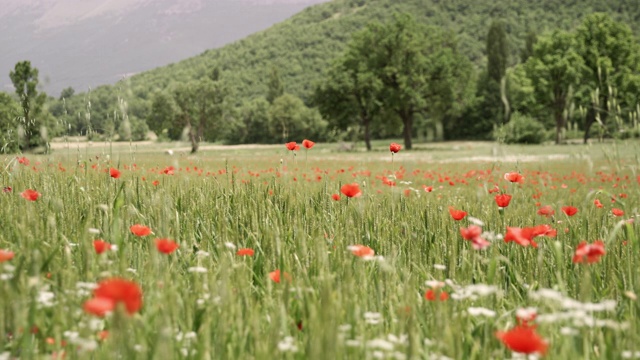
356,70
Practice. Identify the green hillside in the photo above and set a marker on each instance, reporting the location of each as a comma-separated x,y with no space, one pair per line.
302,46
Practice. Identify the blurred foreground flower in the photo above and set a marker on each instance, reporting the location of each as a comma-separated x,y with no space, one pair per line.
166,246
140,230
351,190
457,215
30,195
6,255
514,177
361,251
523,339
112,292
589,253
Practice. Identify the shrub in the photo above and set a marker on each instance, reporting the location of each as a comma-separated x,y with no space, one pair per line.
521,129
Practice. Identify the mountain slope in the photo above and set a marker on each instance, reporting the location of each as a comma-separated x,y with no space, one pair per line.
303,45
85,43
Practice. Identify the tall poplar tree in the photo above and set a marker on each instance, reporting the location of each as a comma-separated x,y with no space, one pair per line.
25,81
497,60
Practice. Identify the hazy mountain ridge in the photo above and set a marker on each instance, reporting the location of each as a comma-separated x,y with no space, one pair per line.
302,46
86,43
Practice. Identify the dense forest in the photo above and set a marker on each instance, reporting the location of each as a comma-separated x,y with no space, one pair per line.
517,71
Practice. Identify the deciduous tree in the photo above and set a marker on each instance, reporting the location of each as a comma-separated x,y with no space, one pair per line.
611,57
554,69
25,81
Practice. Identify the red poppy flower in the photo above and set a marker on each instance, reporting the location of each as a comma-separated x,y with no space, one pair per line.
546,210
308,144
523,339
245,252
275,276
361,251
471,232
514,177
101,246
166,246
114,173
435,295
598,204
590,253
140,230
541,230
155,183
427,188
6,255
110,293
394,148
291,145
503,200
168,170
23,160
524,238
30,195
457,214
99,306
351,190
386,181
570,210
7,189
617,212
335,197
479,243
495,189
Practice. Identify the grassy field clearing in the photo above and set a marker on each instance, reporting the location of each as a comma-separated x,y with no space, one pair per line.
267,263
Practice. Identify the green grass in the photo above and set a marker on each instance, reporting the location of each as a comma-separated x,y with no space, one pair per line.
281,206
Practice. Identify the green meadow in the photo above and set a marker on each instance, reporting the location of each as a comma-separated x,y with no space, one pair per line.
204,301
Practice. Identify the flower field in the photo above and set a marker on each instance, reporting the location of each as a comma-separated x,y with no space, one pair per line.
297,252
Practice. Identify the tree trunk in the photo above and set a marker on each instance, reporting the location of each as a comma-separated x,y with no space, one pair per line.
559,126
407,120
439,126
196,137
194,140
367,133
591,118
27,130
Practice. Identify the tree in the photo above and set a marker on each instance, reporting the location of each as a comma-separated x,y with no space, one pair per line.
351,88
67,93
529,41
255,117
25,81
285,118
416,66
162,117
201,107
610,55
400,68
554,69
497,51
291,119
497,59
9,112
275,86
521,93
